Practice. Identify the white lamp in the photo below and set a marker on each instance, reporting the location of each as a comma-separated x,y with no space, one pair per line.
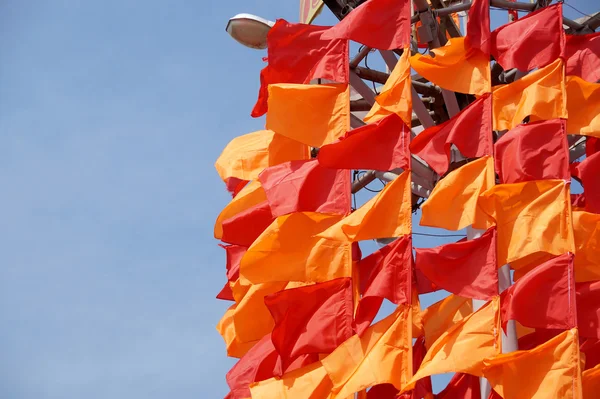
249,30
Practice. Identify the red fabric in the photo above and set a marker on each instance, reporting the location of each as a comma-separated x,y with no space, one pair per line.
461,386
466,268
582,53
311,319
534,151
588,309
591,348
424,285
544,297
423,386
533,41
536,338
246,226
234,185
298,53
226,294
578,200
382,391
469,130
382,145
494,395
299,362
306,186
234,255
592,145
589,173
385,274
380,24
478,26
256,365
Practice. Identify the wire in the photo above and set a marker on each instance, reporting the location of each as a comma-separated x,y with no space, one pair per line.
581,12
367,66
439,235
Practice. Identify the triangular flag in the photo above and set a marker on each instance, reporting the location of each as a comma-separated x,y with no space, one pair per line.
442,315
582,53
583,105
244,227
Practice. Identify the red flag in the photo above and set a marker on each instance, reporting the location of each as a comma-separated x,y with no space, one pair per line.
311,319
588,309
582,53
478,26
469,130
235,185
592,145
381,24
306,186
536,338
465,268
534,151
246,226
578,201
544,297
533,41
298,53
382,391
588,171
461,386
385,274
591,348
234,255
382,145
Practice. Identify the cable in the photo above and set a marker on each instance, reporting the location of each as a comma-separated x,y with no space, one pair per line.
438,235
367,66
581,12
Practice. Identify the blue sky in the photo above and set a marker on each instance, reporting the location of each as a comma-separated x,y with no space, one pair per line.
112,114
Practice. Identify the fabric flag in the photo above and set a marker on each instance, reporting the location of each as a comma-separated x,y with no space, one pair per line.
385,274
551,370
464,346
311,114
244,227
590,348
382,355
289,250
456,67
588,171
235,185
246,156
380,24
382,145
382,391
470,131
592,145
582,53
306,186
533,151
536,338
311,319
590,381
540,94
396,94
465,268
442,315
586,229
387,214
533,41
478,26
578,201
454,201
461,386
423,389
530,217
310,382
298,53
226,328
234,255
544,297
250,196
583,105
588,309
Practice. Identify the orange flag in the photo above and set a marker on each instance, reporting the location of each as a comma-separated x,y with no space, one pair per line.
453,203
225,327
590,380
464,346
456,67
396,95
311,114
251,195
541,94
531,217
583,105
248,155
310,382
289,250
388,214
439,317
551,370
586,229
382,355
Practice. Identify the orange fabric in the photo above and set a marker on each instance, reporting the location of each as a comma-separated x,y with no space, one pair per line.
456,67
309,382
248,155
453,203
541,93
252,194
551,370
225,327
311,114
583,105
382,355
586,229
388,214
531,217
441,316
288,250
464,346
396,94
590,380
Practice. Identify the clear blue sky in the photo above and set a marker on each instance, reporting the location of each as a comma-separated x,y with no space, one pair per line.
112,114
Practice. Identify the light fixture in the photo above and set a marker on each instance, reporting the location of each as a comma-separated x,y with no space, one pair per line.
249,30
